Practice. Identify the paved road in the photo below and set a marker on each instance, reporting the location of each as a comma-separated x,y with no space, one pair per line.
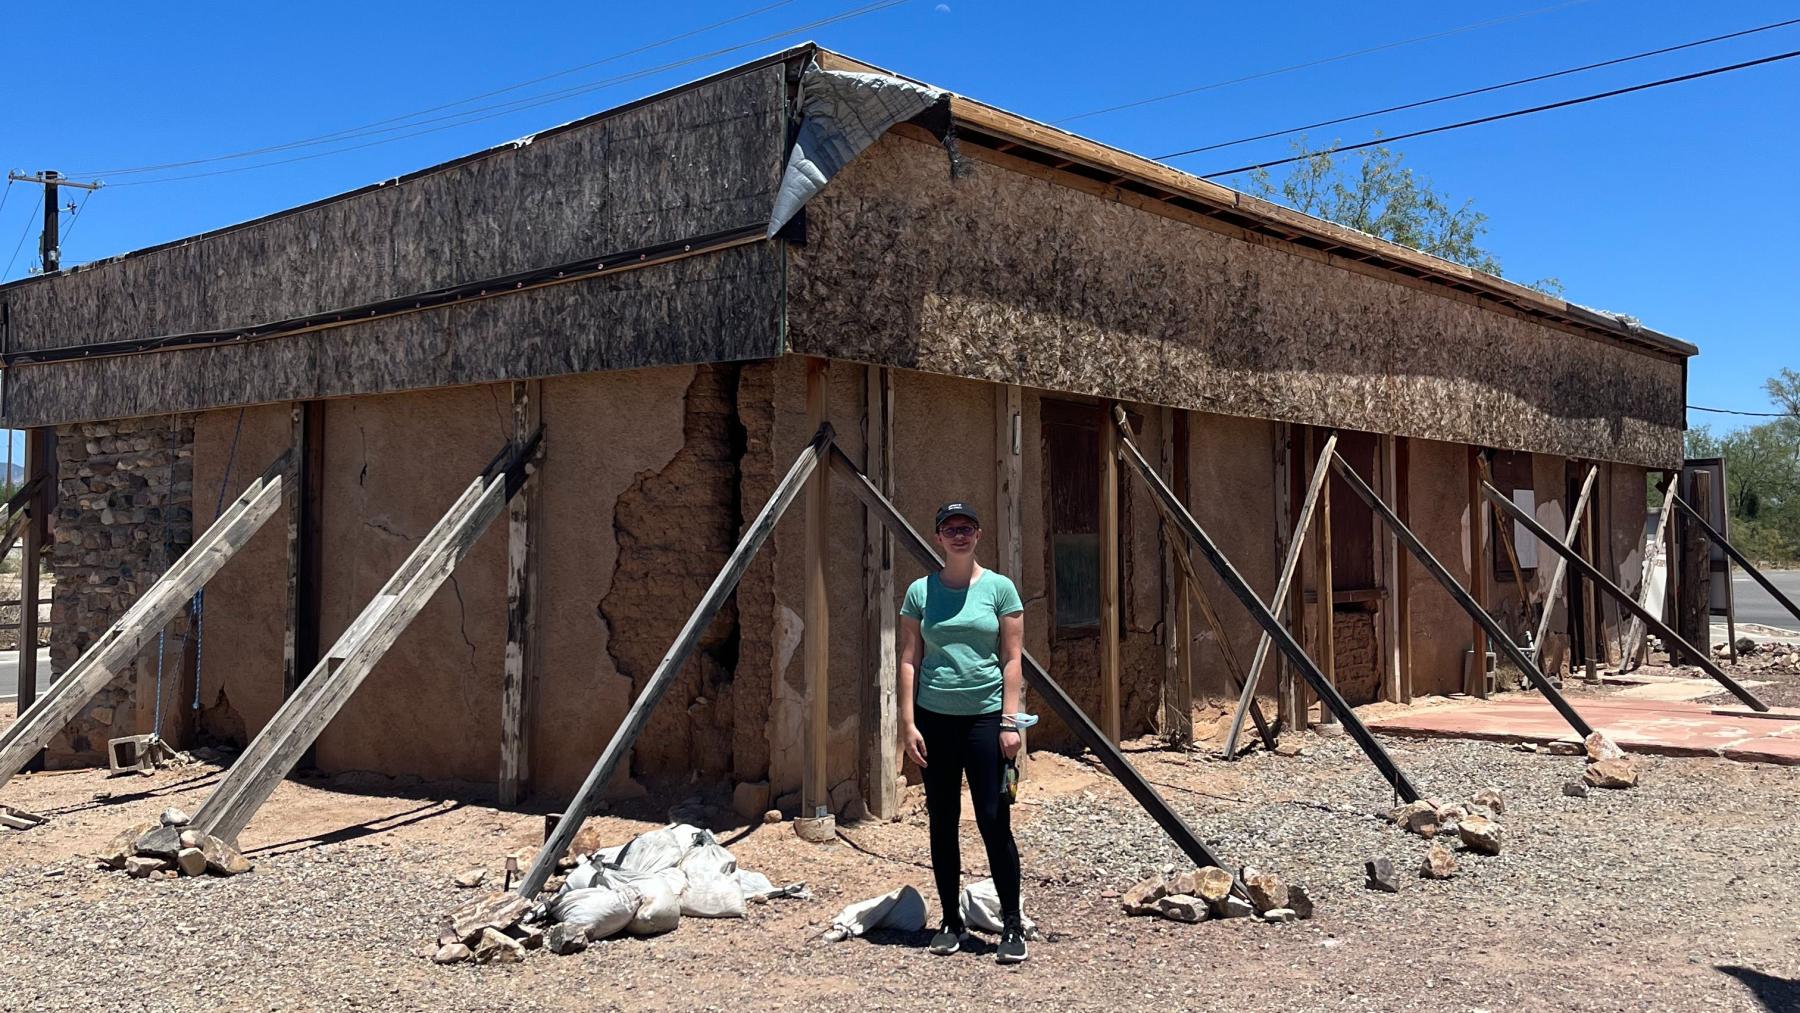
1754,605
9,671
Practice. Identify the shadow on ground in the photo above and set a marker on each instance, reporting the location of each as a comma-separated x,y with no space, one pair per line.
1779,995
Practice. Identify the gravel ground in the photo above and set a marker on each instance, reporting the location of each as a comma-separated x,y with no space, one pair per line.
1677,895
1769,664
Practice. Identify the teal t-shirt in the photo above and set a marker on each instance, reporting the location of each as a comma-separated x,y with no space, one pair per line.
960,672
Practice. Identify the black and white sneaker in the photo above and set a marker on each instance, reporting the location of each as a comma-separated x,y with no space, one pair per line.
949,939
1012,944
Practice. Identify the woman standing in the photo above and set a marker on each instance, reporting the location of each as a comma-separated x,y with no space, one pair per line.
961,631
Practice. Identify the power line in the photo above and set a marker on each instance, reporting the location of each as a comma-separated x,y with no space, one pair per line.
352,131
1508,115
1319,62
1760,415
1484,90
481,113
75,217
29,217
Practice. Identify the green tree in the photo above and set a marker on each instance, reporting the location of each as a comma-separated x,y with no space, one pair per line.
1384,197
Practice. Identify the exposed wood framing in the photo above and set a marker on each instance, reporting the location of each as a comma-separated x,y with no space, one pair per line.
1176,722
522,542
1590,614
1627,601
1009,493
302,495
1475,674
1390,575
786,491
1462,597
1695,603
1240,589
13,523
815,781
1184,609
1110,663
297,724
1325,606
1287,688
880,716
1403,566
1290,564
1562,565
39,722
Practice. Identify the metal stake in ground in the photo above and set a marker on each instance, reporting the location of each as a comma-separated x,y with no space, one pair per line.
1462,597
1631,604
1235,583
1041,682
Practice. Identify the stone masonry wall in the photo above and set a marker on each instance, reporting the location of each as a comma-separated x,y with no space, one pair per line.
124,512
1355,657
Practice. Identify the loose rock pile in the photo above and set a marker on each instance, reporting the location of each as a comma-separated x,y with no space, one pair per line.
1474,823
1608,766
1202,893
169,848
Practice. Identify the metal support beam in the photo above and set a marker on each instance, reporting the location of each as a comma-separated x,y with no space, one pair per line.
786,491
1461,596
1040,681
1594,575
1235,583
1736,556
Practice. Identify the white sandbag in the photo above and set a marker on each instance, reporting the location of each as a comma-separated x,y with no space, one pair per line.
660,909
598,911
980,906
754,884
660,849
712,884
585,875
903,910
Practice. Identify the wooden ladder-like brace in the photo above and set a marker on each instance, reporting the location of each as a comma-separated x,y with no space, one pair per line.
318,698
116,648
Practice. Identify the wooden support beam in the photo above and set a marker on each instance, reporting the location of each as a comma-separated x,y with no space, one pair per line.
1325,609
1184,609
13,514
1110,663
516,682
786,491
1402,598
302,494
39,469
1289,460
880,713
1562,565
1696,570
1390,577
39,722
1590,633
1290,565
297,723
1176,718
815,781
1475,677
1009,479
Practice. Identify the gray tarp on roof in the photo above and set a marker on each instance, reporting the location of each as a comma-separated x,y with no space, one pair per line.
841,114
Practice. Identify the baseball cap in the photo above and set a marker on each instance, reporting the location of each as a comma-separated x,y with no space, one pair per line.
956,509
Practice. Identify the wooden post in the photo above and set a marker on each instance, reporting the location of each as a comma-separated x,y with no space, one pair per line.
1176,719
815,785
880,717
1109,577
1696,568
1590,637
1184,604
522,543
1402,596
302,494
1009,492
1390,575
1576,513
1287,687
38,449
1327,603
1475,678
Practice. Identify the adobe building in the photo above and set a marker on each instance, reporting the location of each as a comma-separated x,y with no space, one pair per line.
969,293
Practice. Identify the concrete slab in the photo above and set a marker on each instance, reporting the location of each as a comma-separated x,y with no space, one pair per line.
1640,726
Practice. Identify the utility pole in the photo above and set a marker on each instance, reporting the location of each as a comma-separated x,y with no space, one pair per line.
50,245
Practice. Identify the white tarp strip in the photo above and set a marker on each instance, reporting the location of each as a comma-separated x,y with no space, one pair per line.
841,114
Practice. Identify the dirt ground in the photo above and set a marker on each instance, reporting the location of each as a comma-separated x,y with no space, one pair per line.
1677,895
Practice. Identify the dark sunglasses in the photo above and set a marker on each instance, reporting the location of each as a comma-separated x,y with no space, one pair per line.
958,531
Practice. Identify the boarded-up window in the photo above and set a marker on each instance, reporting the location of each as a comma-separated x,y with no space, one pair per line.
1071,438
1512,475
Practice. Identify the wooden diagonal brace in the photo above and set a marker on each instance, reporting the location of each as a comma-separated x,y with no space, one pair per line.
140,624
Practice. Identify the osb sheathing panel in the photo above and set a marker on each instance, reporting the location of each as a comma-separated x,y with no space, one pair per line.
246,601
713,307
703,160
1001,276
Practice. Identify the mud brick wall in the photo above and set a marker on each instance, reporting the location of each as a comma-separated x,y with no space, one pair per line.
124,513
1355,657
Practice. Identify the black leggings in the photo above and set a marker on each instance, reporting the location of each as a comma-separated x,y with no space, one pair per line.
954,744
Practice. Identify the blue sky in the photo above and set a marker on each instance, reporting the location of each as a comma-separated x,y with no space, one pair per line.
1674,205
